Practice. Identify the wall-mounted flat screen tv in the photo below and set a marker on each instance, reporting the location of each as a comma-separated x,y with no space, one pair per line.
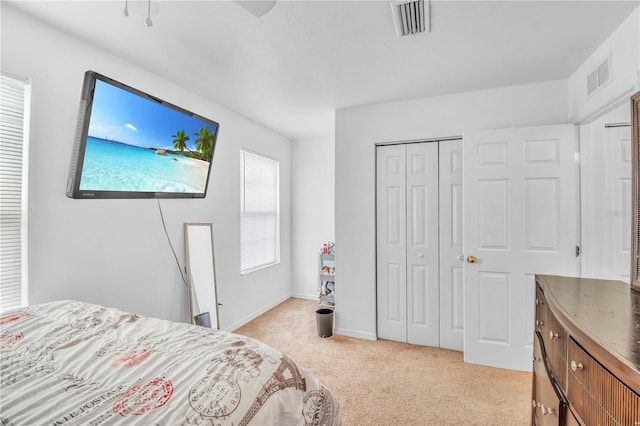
130,144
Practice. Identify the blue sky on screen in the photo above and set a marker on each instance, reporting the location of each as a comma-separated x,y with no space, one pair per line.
121,116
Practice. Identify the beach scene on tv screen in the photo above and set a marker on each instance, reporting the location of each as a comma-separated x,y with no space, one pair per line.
135,144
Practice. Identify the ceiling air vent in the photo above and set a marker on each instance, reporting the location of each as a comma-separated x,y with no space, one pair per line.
410,17
599,76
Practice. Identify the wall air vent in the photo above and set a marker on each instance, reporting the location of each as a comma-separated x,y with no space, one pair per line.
599,76
410,17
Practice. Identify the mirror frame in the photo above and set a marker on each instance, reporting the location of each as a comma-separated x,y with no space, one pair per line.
201,270
635,196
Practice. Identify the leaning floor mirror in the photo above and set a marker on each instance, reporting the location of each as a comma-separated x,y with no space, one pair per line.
201,274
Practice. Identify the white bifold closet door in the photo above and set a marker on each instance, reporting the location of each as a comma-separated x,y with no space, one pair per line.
410,271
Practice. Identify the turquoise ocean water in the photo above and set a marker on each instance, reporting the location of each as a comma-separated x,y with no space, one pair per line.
114,166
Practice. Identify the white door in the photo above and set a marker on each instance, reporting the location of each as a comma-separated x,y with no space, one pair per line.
520,219
407,243
451,259
605,188
617,208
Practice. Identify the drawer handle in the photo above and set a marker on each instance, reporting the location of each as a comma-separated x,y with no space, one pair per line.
539,302
553,335
539,323
575,366
545,410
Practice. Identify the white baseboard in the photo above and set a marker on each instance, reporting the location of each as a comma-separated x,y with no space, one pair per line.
355,333
358,334
255,315
311,296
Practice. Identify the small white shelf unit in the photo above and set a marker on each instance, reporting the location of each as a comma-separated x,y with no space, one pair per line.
327,279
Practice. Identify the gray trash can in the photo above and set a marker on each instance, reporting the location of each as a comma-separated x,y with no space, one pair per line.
324,322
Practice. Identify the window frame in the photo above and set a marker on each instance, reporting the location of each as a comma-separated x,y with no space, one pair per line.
243,188
8,79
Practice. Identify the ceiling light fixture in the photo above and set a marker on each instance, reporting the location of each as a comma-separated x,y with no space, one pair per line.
148,21
257,8
145,8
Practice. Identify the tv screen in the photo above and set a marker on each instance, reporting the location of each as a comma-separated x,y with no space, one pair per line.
130,144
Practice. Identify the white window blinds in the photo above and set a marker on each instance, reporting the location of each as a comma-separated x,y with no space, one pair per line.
259,212
14,95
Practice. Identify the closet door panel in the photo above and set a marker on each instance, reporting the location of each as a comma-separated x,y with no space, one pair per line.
391,242
422,244
451,263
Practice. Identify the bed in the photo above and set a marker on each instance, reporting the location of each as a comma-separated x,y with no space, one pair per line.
72,363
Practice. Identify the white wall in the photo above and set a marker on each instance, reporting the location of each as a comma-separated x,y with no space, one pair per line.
623,47
313,210
357,132
114,252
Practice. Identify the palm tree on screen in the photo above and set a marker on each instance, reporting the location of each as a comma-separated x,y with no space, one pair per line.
204,142
180,141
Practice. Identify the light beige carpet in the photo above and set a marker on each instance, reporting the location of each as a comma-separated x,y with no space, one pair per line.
391,383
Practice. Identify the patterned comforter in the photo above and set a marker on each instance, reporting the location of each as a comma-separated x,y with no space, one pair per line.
74,363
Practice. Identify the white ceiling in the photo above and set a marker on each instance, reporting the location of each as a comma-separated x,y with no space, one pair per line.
290,69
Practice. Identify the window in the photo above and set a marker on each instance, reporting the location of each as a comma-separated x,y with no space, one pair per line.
14,99
259,212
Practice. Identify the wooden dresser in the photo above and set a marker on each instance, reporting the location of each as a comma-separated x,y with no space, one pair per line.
586,362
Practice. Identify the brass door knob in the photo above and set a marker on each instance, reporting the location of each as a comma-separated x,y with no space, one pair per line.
471,259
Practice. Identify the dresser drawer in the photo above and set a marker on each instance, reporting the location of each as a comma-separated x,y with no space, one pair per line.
554,338
596,395
548,409
547,404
